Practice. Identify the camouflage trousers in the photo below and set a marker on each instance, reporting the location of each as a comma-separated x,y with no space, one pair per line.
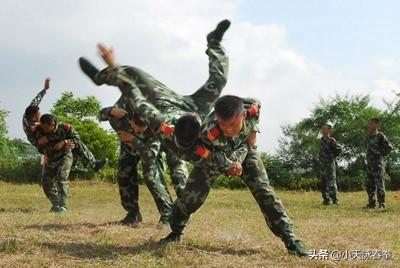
82,152
178,172
255,176
328,183
140,88
55,180
375,181
128,183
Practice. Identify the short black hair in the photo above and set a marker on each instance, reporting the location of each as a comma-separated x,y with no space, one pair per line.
187,130
138,120
228,107
30,112
47,119
375,120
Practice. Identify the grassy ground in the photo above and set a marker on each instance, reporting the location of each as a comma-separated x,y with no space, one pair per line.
228,231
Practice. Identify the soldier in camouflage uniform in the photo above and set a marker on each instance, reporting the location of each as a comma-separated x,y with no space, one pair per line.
377,146
135,83
207,169
146,148
59,155
328,151
30,124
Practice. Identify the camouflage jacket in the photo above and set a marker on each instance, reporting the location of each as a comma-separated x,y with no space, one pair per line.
30,128
235,148
145,144
61,132
377,145
329,149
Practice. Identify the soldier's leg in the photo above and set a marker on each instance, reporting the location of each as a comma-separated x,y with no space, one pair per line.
380,183
128,181
178,171
155,182
193,197
255,176
324,185
371,184
84,152
218,66
49,183
333,190
64,168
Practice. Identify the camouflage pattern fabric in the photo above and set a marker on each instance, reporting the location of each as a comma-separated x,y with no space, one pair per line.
377,146
254,175
329,150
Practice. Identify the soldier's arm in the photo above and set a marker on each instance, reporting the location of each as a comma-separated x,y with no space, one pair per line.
105,114
387,147
36,101
337,148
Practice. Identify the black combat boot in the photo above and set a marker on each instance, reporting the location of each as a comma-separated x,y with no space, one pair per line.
98,164
132,219
218,33
296,247
171,238
90,70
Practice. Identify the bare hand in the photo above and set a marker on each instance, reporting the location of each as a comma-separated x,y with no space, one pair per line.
235,170
107,54
69,145
46,84
43,140
125,136
59,145
251,139
118,112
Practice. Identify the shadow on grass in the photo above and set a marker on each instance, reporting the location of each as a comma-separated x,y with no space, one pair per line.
71,226
17,210
104,251
220,250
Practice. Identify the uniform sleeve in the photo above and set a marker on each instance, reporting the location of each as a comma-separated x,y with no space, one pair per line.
134,97
38,99
387,147
336,148
105,114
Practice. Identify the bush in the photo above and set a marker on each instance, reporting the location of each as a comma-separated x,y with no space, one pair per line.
20,170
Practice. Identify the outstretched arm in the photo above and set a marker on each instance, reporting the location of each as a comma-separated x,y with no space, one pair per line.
36,101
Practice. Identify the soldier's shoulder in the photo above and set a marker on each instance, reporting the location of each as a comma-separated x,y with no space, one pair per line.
210,130
252,107
332,139
65,126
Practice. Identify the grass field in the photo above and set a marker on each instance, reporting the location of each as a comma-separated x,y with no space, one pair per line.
228,231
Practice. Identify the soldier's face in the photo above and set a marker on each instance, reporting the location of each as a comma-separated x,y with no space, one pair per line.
138,129
373,126
233,126
326,131
47,128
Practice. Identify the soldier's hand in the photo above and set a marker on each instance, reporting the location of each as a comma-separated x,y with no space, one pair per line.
125,136
43,140
107,54
251,140
59,145
69,144
235,170
118,112
46,84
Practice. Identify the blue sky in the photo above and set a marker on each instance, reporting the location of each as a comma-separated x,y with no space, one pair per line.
289,54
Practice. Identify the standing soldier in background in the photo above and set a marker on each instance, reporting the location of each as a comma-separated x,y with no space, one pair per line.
377,146
329,150
30,124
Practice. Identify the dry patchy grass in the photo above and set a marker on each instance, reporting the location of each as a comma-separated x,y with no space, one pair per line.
228,231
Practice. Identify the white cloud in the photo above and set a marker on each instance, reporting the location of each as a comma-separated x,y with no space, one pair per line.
167,39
